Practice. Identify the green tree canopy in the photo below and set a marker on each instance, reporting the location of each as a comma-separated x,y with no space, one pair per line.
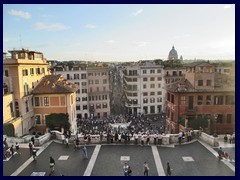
59,120
8,129
198,122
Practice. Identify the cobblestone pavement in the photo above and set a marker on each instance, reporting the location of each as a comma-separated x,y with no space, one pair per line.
193,159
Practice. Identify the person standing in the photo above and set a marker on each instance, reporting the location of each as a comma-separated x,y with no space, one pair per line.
52,164
34,154
5,143
145,169
155,138
17,148
12,150
85,152
129,171
67,141
125,169
63,138
168,169
33,140
30,148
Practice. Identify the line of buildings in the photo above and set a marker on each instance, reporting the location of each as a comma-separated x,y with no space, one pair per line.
33,89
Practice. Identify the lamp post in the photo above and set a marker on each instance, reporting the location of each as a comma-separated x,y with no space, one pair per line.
215,129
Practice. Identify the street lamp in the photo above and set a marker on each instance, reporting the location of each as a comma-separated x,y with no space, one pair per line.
215,129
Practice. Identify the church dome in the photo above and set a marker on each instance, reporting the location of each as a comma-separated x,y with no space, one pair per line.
173,54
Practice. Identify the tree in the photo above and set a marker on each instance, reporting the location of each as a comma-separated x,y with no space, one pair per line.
198,122
60,120
8,129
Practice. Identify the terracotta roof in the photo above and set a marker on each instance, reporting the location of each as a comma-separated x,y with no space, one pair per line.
185,86
54,84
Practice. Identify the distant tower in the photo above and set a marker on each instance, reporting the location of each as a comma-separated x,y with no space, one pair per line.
181,58
173,54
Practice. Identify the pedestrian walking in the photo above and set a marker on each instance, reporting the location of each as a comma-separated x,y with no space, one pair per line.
52,164
63,138
67,141
155,138
125,169
33,140
30,148
168,169
85,152
5,143
17,148
145,169
12,150
34,154
129,171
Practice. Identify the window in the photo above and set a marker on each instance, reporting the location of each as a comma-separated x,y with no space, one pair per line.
172,99
168,96
25,72
96,81
97,89
152,79
152,85
43,70
104,105
98,106
76,76
152,100
152,71
200,100
145,101
83,76
46,101
144,86
159,86
78,91
25,88
90,74
78,107
31,71
26,103
183,100
229,118
37,101
159,71
208,100
159,99
144,71
6,73
84,83
104,88
84,90
159,93
159,78
145,94
84,107
38,71
96,98
209,82
218,100
104,81
200,82
78,99
38,119
152,109
152,93
230,100
145,79
220,118
84,98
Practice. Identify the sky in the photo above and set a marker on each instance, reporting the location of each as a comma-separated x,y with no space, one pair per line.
118,32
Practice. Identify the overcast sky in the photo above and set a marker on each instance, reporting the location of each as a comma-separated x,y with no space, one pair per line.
121,32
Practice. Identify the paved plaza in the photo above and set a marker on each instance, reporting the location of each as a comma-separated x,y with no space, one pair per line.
190,159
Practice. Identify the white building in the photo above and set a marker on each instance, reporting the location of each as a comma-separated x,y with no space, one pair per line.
143,87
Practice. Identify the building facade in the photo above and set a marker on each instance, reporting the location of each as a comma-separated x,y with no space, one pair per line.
23,69
54,95
143,88
93,94
203,94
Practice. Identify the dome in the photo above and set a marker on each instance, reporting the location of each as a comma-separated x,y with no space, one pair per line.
173,54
